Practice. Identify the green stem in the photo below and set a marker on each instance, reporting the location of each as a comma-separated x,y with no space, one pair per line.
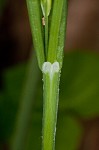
34,12
62,34
26,107
51,96
46,35
54,30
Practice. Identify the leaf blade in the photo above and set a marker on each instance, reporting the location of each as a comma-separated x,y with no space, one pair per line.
36,28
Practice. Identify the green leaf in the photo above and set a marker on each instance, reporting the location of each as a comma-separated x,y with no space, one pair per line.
9,99
13,78
2,6
80,84
26,105
62,34
35,17
69,133
35,134
54,30
46,6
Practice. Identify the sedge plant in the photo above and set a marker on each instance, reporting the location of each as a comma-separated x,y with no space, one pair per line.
48,26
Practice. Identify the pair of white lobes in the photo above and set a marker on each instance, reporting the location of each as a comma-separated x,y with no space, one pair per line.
51,69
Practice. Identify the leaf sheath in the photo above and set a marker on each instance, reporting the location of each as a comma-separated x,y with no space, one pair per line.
51,95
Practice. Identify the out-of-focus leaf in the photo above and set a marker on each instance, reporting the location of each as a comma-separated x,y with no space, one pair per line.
69,133
35,133
80,84
2,5
9,99
14,78
26,107
7,117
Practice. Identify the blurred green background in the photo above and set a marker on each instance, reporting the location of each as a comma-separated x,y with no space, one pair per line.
21,88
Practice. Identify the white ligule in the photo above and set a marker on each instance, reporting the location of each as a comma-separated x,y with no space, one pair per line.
50,68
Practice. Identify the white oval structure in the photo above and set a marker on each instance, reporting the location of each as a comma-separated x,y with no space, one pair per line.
50,68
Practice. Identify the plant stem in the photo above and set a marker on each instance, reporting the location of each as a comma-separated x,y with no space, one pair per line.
34,11
46,35
53,55
62,34
25,110
46,30
50,107
54,30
